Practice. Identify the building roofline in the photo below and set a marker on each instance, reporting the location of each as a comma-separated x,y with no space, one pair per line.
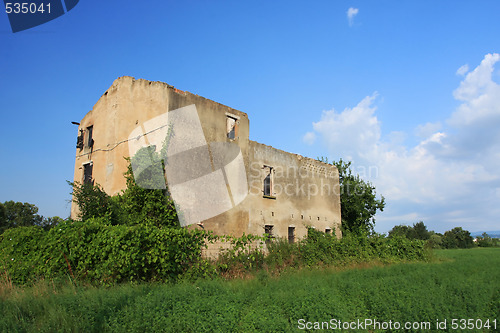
298,156
120,79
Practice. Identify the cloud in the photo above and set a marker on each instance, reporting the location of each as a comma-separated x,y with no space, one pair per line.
351,12
426,130
309,138
462,70
341,131
479,81
449,177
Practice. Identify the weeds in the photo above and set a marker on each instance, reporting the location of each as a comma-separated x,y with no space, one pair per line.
461,284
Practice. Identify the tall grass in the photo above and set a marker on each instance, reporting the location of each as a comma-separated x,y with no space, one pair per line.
461,284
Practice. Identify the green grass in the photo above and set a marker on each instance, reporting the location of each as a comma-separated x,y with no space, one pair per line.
459,284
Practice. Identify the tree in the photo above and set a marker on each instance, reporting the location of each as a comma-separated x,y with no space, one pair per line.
51,222
150,206
18,214
457,238
402,231
3,218
358,202
420,231
435,241
486,241
93,202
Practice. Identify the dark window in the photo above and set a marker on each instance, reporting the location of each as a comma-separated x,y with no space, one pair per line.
87,173
328,231
90,140
268,230
291,235
268,182
79,140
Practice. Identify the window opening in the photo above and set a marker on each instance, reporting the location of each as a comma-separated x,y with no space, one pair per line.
90,140
268,230
291,235
79,140
231,127
268,182
87,173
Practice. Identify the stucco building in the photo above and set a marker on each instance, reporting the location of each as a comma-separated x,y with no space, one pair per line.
264,190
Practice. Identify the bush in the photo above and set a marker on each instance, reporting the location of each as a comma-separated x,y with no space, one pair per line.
134,206
100,253
435,241
21,251
486,241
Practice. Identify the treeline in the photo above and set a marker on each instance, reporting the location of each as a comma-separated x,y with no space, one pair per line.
18,214
456,238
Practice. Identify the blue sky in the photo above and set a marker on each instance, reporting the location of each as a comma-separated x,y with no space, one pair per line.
406,89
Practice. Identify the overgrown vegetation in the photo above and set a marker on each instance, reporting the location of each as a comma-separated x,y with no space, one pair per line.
103,254
462,284
99,253
136,205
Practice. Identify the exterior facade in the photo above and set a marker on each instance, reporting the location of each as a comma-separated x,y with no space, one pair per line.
278,193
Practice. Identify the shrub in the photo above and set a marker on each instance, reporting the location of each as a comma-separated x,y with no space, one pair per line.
93,202
21,252
486,241
100,253
435,241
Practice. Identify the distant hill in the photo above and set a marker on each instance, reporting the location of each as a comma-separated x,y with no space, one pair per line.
492,234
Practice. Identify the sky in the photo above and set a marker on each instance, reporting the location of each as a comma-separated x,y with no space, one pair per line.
409,91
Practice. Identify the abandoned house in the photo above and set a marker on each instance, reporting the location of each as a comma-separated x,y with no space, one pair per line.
218,178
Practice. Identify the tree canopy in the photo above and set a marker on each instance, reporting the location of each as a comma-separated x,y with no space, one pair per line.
18,214
418,231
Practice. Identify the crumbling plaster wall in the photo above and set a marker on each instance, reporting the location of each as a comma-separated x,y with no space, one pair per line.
306,190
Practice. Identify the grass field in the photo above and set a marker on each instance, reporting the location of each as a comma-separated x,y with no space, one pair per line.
458,284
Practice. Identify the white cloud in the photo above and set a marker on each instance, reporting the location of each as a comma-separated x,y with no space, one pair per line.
463,70
341,131
351,12
424,131
479,81
309,138
449,178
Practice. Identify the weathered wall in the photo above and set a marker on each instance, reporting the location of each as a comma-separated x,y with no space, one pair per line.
128,103
305,191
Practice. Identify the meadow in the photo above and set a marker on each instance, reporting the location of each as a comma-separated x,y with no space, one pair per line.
430,296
